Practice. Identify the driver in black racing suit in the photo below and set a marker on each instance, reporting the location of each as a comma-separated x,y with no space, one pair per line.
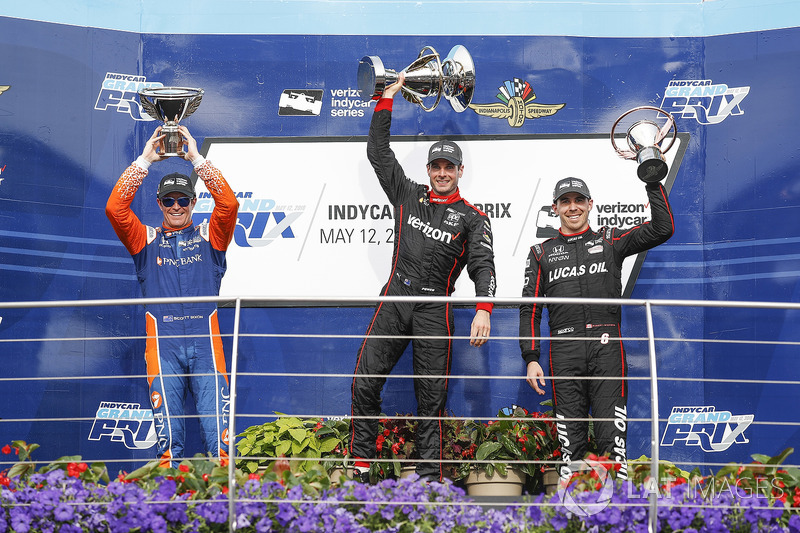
582,263
437,233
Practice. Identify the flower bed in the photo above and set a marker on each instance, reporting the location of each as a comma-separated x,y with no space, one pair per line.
58,502
71,497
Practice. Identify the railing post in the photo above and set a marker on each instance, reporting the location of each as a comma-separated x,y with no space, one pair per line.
654,456
232,419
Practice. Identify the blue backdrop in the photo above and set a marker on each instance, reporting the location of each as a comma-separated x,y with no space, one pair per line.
68,127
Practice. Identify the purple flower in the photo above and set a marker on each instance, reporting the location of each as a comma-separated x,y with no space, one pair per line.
794,523
63,512
285,513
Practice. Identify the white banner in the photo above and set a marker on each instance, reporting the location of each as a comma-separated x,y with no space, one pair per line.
313,220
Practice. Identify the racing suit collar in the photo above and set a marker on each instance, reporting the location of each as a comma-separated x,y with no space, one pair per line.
169,232
435,198
569,237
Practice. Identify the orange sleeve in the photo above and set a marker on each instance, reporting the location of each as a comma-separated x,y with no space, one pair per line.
126,224
223,218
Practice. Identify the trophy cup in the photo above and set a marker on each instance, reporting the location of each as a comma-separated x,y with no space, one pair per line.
170,105
427,76
645,142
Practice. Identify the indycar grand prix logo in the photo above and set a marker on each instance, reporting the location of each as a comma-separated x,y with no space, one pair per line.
124,422
702,100
120,93
712,430
516,104
260,220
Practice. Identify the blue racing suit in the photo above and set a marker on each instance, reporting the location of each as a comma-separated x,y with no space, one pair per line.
184,348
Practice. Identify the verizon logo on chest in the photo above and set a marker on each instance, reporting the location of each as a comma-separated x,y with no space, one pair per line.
428,230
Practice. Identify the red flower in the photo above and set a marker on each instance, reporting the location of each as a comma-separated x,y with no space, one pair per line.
183,468
6,449
225,488
396,448
76,469
205,478
255,476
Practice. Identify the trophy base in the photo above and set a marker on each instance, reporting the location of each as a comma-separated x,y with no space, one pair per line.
173,142
652,167
652,171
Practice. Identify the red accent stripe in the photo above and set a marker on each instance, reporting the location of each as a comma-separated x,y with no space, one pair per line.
453,268
446,383
550,353
355,373
369,329
533,314
622,358
384,103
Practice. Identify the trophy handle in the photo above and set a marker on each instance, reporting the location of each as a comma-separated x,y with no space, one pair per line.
421,61
670,124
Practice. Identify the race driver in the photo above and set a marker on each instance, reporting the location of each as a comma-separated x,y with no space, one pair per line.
177,260
583,263
437,233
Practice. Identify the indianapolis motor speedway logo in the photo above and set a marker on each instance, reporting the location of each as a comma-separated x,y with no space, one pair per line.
516,104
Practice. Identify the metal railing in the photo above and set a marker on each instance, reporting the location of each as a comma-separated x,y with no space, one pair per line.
239,302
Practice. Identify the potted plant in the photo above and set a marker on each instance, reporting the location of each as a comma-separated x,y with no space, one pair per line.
509,449
395,446
293,438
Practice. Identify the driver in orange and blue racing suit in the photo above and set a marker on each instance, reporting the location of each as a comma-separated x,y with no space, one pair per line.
178,260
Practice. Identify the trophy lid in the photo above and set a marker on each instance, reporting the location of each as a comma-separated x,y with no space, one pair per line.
459,74
371,77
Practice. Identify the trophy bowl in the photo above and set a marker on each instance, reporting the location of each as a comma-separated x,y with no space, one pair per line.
647,144
426,77
170,105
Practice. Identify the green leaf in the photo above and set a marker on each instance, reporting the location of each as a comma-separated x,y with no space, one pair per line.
329,444
299,435
486,450
778,459
282,448
511,446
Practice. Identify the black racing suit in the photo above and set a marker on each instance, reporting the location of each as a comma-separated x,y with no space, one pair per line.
435,237
588,265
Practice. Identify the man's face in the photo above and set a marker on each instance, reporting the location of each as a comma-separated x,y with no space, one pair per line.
573,210
444,176
175,216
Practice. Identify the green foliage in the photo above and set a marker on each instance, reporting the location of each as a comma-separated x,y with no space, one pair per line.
513,440
303,441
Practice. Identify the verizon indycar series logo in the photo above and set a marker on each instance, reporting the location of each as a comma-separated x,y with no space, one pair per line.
516,104
120,93
702,100
712,430
260,220
124,422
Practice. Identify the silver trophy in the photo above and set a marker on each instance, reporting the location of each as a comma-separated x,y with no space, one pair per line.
646,144
170,105
427,76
